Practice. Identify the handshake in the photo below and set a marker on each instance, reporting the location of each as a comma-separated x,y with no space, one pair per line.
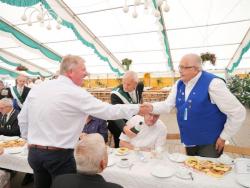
145,108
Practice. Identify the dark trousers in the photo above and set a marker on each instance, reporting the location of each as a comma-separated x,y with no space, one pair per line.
47,164
203,151
116,132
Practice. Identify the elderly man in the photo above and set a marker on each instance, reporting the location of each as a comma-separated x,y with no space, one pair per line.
20,91
129,92
52,120
91,159
151,133
8,123
208,114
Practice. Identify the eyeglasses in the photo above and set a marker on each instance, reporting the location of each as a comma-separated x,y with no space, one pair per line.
185,67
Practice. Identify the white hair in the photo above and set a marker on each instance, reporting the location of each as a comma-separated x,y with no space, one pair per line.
7,102
89,152
194,58
69,62
131,75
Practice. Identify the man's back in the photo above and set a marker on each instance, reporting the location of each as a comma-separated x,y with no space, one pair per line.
81,181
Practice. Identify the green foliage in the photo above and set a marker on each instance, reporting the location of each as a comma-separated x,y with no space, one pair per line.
240,87
208,57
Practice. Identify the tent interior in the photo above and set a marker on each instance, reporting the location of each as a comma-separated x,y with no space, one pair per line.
153,34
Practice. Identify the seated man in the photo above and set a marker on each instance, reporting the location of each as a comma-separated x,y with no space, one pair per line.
96,125
8,118
151,133
91,158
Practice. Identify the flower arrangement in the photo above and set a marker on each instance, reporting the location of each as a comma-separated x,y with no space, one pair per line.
208,57
126,62
21,68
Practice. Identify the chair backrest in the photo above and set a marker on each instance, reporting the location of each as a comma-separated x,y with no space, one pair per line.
228,148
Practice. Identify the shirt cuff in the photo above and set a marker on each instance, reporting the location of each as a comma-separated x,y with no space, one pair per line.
224,136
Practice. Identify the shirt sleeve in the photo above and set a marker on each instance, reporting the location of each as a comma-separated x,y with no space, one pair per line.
23,119
229,105
124,137
166,106
95,107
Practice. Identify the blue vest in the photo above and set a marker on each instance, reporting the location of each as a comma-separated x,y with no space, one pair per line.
200,122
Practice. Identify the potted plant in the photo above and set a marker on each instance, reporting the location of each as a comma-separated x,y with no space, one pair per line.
126,62
21,68
208,57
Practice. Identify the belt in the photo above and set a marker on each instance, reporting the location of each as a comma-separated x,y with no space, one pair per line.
45,147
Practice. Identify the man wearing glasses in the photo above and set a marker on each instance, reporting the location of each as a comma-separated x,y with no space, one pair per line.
208,114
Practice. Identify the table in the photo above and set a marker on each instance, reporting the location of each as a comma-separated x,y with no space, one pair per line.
139,176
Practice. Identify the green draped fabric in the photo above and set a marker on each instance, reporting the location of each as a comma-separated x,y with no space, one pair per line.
170,65
21,3
28,41
18,64
243,51
5,72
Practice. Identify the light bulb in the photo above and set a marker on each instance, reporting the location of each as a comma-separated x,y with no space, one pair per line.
134,14
49,27
125,9
137,2
58,26
165,7
24,17
157,13
159,2
29,23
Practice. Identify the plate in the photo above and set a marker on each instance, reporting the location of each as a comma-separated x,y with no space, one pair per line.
225,159
244,179
177,157
125,152
13,150
10,138
163,172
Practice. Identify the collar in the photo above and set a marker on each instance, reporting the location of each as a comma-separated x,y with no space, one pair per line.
10,113
95,177
65,79
193,80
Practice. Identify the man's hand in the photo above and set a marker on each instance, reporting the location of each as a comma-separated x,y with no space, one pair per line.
145,108
82,135
220,143
128,132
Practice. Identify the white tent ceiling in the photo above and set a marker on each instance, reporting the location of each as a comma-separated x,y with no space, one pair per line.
193,26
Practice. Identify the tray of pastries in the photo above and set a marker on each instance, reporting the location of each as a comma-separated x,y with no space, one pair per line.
208,167
12,143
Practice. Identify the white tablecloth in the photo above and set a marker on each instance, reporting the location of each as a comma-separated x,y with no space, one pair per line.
139,176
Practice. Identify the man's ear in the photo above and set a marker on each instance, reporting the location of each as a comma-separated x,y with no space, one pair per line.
103,165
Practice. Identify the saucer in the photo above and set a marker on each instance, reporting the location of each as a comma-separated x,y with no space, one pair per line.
183,173
13,150
163,172
225,159
177,157
123,166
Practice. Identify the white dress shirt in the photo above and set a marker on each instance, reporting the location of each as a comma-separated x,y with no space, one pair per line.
149,136
219,95
55,112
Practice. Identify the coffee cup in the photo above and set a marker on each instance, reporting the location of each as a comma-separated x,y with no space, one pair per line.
124,162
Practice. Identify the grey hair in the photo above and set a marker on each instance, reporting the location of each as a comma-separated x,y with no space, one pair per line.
89,152
7,102
195,58
21,76
69,62
132,75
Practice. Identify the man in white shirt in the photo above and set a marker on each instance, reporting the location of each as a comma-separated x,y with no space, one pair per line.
152,133
208,114
53,116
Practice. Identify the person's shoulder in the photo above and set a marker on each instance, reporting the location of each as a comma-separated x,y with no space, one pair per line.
112,185
161,125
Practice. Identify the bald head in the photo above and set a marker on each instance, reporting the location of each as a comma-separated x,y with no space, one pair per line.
129,81
192,59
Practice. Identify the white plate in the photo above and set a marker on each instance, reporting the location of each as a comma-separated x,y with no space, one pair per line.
9,138
123,166
244,179
13,150
111,161
163,172
177,157
225,159
121,154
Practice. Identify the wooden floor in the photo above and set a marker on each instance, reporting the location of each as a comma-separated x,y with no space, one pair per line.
242,138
